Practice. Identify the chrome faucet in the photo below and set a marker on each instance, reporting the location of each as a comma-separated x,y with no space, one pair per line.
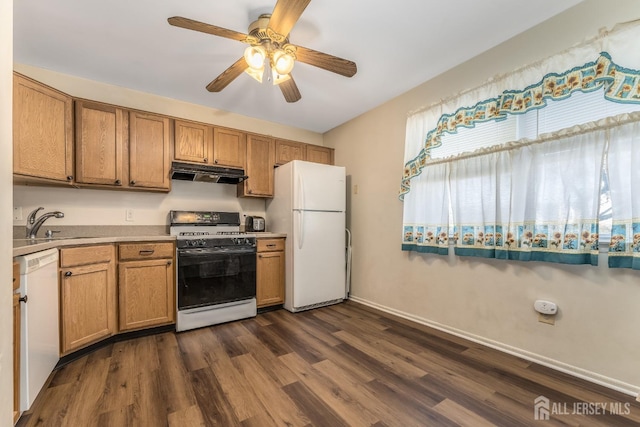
33,224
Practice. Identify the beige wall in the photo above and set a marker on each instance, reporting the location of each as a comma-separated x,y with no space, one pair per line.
490,301
103,207
6,317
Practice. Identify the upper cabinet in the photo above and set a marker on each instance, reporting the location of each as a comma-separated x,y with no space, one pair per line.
229,148
260,158
201,143
150,139
42,132
122,149
319,154
100,137
193,142
287,151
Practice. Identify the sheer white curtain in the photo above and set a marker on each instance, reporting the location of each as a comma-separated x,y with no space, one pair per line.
480,193
426,212
555,200
624,175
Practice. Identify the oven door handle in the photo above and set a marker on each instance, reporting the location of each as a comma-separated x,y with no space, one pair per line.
200,253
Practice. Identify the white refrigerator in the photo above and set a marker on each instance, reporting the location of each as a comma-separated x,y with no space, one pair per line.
309,206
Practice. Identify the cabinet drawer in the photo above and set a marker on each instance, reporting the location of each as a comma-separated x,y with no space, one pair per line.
84,255
270,245
153,250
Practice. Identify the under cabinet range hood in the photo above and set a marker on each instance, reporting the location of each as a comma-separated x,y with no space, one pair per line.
206,173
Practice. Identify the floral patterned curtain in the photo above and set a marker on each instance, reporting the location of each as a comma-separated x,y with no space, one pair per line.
624,176
426,213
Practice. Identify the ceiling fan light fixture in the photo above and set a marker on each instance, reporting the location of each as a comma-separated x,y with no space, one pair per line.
256,73
255,56
278,78
283,62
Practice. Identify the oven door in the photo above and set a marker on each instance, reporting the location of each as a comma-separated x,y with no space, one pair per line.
207,277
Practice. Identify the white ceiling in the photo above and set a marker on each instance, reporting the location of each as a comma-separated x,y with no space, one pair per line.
397,45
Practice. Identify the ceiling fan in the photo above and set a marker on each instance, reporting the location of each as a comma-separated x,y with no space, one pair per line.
269,51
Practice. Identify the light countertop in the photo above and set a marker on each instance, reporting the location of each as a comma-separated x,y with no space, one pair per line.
27,246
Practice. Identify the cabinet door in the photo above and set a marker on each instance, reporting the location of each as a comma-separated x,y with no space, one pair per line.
42,131
88,305
260,157
287,151
229,148
100,131
149,151
147,293
319,154
270,278
193,142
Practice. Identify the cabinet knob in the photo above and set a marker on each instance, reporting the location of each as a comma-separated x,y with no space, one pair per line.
117,182
215,161
168,262
23,299
205,160
68,273
132,182
70,178
250,191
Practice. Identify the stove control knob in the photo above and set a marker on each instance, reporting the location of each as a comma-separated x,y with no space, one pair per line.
201,242
247,241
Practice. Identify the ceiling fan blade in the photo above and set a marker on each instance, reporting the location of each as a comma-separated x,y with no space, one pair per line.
325,61
190,24
228,76
290,90
285,15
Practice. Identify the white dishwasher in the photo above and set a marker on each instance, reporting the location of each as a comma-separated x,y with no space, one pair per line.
39,333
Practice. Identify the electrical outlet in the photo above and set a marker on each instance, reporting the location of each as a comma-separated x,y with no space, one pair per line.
128,216
355,188
17,213
549,319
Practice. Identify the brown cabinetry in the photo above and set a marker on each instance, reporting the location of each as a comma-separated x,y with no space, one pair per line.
146,285
122,149
42,132
270,272
193,142
260,158
87,296
287,151
318,154
149,151
16,342
201,143
100,138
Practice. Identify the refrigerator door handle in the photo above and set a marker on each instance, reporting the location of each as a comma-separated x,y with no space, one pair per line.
300,229
300,192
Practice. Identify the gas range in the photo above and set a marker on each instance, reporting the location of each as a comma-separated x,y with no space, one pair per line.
210,231
216,268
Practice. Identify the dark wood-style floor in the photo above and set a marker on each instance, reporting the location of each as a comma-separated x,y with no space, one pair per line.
344,365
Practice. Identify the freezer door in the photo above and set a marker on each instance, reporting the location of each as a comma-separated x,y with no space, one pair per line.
318,258
318,187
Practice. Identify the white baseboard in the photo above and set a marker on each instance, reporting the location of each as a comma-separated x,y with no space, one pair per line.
533,357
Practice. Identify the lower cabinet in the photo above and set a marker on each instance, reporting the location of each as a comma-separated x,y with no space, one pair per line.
146,285
270,272
87,296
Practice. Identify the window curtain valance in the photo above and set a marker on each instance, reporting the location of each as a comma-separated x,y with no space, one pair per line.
609,63
537,199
